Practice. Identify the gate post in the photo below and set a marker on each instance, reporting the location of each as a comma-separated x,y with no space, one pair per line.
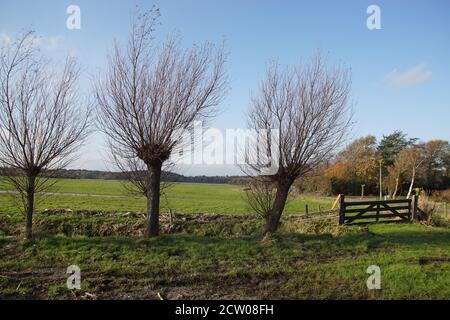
415,202
341,209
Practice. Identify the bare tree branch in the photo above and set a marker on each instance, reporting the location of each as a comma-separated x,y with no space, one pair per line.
150,95
41,122
309,107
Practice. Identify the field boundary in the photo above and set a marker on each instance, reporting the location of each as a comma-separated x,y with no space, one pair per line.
202,217
392,210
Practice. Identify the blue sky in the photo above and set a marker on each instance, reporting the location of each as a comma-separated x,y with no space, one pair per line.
401,73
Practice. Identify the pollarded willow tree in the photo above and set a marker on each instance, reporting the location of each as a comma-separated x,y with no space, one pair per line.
42,122
309,107
150,95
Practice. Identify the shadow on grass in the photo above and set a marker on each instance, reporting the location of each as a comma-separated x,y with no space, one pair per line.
439,238
161,241
376,236
432,236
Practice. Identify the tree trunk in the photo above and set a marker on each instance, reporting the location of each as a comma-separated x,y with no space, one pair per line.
273,217
30,205
153,195
394,194
412,183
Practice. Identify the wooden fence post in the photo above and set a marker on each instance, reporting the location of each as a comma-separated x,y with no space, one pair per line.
378,213
410,209
341,209
415,201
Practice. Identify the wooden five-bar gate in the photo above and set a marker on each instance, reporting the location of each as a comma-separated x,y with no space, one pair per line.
385,210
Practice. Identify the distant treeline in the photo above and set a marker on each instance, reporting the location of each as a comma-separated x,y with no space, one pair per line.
166,176
404,164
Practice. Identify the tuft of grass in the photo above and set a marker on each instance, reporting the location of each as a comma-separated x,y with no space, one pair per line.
316,226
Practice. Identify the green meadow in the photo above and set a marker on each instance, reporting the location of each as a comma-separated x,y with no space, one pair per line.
203,259
113,196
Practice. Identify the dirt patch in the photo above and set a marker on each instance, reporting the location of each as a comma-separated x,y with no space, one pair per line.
426,260
189,293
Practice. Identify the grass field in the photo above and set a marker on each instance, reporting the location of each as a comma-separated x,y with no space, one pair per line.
211,259
111,196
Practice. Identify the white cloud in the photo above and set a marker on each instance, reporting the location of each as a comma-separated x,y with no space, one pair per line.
53,42
73,52
42,41
48,43
4,39
413,76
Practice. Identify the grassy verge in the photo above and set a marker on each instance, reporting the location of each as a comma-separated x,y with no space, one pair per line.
184,265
